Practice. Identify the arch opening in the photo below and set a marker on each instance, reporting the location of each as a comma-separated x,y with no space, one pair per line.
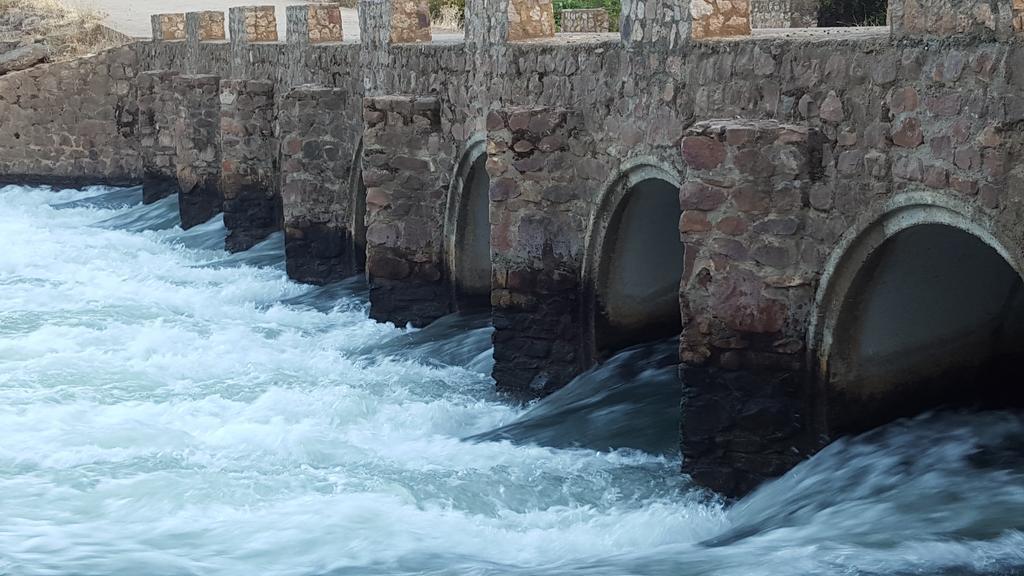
471,246
932,319
639,269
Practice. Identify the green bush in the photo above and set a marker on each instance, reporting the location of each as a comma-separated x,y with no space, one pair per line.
613,7
437,5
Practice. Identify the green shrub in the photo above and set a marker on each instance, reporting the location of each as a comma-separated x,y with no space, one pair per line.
437,10
613,7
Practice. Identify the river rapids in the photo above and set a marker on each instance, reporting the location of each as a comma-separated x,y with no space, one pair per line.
169,409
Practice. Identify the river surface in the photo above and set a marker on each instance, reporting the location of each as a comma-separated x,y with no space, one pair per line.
169,409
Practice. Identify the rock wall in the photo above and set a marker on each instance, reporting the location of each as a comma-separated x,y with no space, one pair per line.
198,152
784,13
585,20
158,114
319,136
249,176
407,168
72,122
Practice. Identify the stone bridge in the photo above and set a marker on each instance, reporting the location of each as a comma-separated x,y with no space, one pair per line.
832,220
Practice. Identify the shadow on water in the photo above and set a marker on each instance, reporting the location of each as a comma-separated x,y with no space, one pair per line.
267,254
601,408
160,215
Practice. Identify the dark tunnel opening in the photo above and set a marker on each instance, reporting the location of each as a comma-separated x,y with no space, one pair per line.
933,319
637,288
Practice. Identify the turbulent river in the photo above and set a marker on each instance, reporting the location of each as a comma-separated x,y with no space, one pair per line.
169,409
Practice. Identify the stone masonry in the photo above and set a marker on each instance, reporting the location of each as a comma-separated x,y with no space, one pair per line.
158,114
314,24
249,155
168,27
585,20
533,155
784,13
530,19
317,173
410,21
407,171
197,137
785,146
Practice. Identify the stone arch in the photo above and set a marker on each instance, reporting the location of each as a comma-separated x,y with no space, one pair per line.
633,260
919,306
357,223
467,231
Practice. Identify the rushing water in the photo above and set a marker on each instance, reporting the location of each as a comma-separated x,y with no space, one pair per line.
167,408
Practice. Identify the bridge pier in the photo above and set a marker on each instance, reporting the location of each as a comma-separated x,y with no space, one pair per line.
249,178
158,113
407,167
321,185
198,152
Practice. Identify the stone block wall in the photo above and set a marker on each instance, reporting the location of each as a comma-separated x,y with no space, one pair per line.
197,139
585,20
158,114
407,168
253,24
784,13
529,19
314,24
540,198
249,162
941,18
168,27
746,292
410,21
201,30
319,131
719,18
671,24
72,122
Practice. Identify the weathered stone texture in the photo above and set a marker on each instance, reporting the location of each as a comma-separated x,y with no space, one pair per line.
72,122
410,21
407,168
168,27
319,132
784,13
719,18
984,18
539,198
253,24
746,294
585,20
249,171
158,114
314,24
529,19
197,137
205,26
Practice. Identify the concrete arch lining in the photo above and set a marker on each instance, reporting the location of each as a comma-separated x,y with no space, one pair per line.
454,226
611,201
863,241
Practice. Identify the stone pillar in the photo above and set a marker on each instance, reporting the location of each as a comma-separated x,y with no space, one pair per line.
197,137
407,170
207,26
528,19
314,24
784,13
585,20
168,27
248,179
536,247
318,136
158,112
249,25
384,22
942,18
673,23
745,298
